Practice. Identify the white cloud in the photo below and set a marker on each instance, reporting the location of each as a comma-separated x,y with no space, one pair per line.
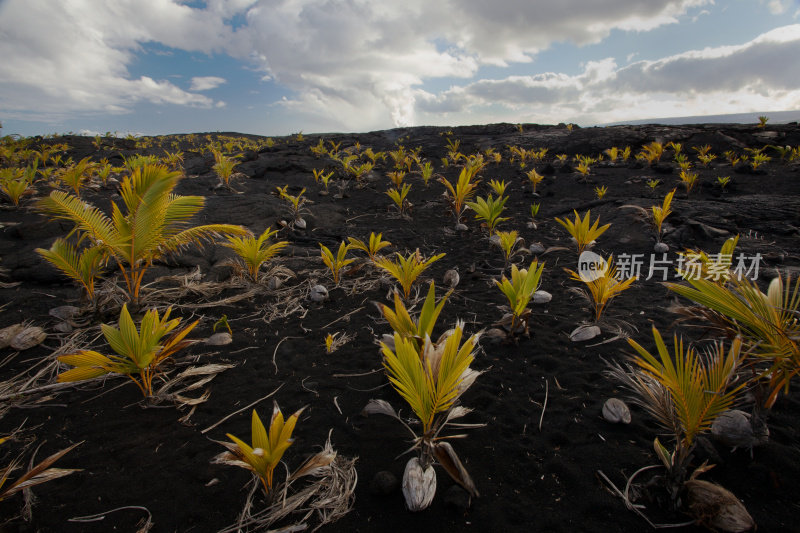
362,64
206,83
718,80
72,56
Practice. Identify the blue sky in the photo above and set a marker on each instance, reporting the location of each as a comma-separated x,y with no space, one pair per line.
275,67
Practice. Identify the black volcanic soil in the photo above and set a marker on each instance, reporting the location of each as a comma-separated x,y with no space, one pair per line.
534,472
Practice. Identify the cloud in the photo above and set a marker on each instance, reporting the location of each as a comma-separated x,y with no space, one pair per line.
714,80
356,64
371,57
72,56
206,83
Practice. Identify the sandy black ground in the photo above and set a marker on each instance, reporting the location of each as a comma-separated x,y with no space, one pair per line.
534,471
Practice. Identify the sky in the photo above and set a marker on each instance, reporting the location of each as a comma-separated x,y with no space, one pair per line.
276,67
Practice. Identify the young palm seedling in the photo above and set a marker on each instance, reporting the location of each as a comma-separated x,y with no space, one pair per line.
399,198
508,241
519,291
600,192
603,287
582,231
684,392
462,192
426,171
140,354
431,380
689,180
295,204
660,213
75,175
253,252
335,263
499,187
152,227
759,159
489,210
267,449
406,270
375,245
14,183
534,213
723,181
404,325
535,178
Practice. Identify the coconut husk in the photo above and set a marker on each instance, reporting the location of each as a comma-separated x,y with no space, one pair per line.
28,338
716,508
419,485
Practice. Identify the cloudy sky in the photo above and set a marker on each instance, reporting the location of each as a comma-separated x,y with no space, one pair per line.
276,67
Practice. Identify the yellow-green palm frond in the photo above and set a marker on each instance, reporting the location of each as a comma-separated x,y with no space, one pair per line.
489,210
335,263
430,379
605,287
267,447
86,218
376,244
140,351
406,269
700,386
768,321
582,230
82,266
521,287
253,251
402,323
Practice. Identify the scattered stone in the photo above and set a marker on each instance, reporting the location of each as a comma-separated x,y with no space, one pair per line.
63,327
8,334
616,411
451,278
536,248
64,312
383,483
28,338
584,333
542,297
300,223
275,283
457,498
732,428
661,248
461,227
318,293
219,339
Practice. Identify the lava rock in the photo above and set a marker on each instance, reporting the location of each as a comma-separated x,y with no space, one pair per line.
383,483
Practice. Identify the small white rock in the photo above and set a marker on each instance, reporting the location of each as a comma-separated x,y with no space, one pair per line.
451,278
536,248
584,333
300,223
660,248
616,411
318,293
542,297
461,227
219,339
